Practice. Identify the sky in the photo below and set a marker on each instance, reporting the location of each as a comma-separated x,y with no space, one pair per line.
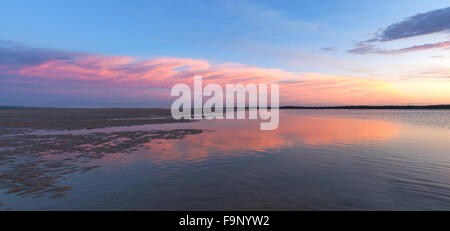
78,53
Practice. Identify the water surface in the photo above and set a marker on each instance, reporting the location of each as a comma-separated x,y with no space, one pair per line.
315,160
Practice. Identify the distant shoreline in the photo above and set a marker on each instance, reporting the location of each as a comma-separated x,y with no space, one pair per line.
444,106
447,106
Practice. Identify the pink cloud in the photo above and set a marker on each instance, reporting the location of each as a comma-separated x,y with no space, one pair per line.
136,74
418,48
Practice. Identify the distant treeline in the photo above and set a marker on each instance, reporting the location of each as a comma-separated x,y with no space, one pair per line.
22,107
10,107
446,106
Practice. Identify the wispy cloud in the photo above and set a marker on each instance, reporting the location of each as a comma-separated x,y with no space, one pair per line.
329,49
418,48
268,23
417,25
13,54
441,73
364,48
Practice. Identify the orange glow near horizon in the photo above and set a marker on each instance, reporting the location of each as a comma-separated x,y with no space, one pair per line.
295,88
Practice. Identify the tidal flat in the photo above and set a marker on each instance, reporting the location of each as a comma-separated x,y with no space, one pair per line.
24,169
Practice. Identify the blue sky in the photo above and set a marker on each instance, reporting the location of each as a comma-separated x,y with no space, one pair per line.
295,36
200,29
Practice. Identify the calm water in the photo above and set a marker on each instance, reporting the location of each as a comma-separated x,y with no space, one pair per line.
315,160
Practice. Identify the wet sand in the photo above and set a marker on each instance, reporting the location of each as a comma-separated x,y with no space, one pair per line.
32,164
83,118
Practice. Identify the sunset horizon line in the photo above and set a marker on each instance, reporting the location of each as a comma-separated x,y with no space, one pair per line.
405,106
